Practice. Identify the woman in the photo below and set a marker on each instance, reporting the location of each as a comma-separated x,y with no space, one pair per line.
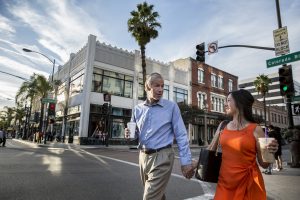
240,177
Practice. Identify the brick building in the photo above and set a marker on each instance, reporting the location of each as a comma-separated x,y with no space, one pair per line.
208,91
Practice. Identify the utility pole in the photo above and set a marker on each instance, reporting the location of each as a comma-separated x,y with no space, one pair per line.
288,97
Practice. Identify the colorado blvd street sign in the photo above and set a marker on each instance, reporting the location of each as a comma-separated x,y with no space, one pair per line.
283,59
46,100
281,41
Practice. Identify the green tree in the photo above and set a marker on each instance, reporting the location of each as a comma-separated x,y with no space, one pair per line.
37,87
143,26
7,116
261,84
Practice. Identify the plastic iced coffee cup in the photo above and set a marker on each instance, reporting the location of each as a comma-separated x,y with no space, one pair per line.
266,155
131,126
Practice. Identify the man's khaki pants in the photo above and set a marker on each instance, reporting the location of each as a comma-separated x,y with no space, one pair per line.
155,171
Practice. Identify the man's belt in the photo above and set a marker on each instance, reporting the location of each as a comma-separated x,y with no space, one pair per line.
151,151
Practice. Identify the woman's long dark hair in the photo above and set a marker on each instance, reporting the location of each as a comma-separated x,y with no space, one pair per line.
243,101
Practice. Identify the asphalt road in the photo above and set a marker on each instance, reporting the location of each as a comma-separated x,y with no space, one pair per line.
43,173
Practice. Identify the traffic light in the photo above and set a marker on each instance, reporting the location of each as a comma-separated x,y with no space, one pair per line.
105,108
200,52
286,81
51,109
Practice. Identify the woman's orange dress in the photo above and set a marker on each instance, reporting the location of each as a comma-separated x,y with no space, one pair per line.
240,177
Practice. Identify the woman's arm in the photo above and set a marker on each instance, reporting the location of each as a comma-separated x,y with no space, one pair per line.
214,143
259,133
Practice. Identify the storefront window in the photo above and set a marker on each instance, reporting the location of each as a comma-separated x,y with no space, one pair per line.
118,129
76,84
72,128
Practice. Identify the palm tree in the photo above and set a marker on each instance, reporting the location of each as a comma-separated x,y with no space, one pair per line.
43,87
26,92
37,87
261,84
8,115
142,25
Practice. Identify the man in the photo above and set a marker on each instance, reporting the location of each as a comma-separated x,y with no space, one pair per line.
158,122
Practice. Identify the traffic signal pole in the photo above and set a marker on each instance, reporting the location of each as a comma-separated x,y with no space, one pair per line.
288,96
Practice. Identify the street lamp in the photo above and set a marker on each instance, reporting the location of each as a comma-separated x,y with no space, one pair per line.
205,109
52,61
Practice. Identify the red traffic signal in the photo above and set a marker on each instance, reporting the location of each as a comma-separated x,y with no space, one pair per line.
200,52
51,109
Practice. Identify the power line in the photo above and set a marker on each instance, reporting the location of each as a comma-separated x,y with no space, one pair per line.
25,79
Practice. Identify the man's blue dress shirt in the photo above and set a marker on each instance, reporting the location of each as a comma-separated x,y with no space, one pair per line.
158,124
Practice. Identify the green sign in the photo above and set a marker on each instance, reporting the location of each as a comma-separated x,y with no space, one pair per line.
296,98
46,100
283,59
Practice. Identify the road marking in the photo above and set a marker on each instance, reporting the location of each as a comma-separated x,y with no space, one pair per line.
207,189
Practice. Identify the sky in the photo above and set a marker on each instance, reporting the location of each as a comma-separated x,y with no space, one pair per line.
58,28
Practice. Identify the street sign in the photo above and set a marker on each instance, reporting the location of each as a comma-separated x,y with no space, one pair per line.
47,100
212,47
296,98
292,57
281,41
297,109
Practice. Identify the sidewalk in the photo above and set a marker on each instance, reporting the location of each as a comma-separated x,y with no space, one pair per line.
282,185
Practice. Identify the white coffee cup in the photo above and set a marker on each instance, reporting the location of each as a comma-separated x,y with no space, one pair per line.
266,155
131,126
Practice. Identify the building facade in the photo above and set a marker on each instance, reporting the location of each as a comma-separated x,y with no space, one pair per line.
98,69
209,89
275,115
273,98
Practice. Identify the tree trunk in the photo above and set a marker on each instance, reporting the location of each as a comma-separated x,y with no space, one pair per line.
41,117
265,110
144,69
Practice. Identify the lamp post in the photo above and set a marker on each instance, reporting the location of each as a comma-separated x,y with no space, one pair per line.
53,62
205,109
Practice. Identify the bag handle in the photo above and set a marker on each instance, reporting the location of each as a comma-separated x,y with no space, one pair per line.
216,140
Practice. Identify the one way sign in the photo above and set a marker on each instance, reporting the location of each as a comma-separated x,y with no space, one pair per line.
297,109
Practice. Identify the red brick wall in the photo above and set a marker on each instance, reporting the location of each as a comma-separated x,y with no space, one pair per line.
206,87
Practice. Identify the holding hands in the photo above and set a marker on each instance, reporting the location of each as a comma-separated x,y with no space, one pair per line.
188,171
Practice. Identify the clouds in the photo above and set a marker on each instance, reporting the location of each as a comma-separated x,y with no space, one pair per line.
61,26
57,28
5,26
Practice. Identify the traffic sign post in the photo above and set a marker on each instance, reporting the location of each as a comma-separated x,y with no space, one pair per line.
212,47
283,59
281,41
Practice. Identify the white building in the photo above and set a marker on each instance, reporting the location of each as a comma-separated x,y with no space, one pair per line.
273,97
97,69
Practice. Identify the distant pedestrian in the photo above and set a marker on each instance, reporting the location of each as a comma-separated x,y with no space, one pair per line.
4,139
278,153
1,136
